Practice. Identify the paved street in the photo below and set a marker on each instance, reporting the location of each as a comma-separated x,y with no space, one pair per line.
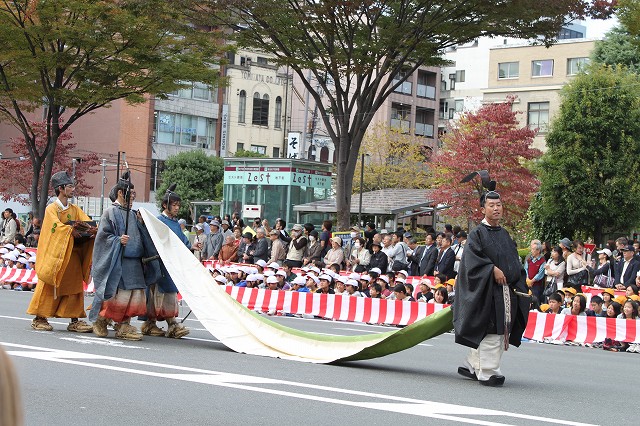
74,379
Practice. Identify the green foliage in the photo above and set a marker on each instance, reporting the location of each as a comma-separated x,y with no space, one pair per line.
197,176
618,48
242,153
76,56
588,176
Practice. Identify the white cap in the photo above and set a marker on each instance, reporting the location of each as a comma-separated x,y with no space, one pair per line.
365,277
261,263
314,278
376,271
258,277
605,251
268,273
20,247
325,277
343,279
9,246
354,276
281,272
221,279
384,278
352,282
32,259
403,272
22,260
199,227
272,280
274,265
4,250
315,269
233,270
400,280
299,281
250,277
10,256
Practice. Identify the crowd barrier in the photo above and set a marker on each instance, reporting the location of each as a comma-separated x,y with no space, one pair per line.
334,306
580,329
22,276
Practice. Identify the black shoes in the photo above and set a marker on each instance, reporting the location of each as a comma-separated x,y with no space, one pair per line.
463,371
493,381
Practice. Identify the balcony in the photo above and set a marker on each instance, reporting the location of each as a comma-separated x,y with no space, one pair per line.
425,91
405,88
424,129
402,125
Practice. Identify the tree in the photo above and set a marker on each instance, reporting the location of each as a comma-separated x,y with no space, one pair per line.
489,139
15,182
196,174
392,160
72,57
588,176
358,52
241,153
628,12
618,48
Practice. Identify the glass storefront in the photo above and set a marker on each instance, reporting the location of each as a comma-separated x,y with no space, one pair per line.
274,184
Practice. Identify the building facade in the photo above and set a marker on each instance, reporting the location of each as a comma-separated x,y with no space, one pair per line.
535,75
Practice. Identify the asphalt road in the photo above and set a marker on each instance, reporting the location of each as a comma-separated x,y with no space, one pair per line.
79,379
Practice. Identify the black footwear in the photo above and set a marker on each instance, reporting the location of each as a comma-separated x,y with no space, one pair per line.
465,372
493,381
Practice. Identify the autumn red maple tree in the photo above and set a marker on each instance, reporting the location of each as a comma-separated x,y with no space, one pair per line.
490,139
15,179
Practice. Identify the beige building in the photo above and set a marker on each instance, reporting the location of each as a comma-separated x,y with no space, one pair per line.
535,74
257,96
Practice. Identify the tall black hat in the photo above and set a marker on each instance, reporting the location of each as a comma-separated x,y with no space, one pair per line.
61,179
124,184
486,188
170,195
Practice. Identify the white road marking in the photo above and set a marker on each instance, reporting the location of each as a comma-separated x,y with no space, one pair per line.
101,341
395,404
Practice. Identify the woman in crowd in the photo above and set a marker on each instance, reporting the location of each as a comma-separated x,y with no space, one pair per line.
607,296
578,306
604,276
378,258
555,267
313,251
360,256
577,262
335,255
441,296
326,285
631,290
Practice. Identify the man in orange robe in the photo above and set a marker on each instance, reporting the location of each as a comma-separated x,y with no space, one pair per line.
64,260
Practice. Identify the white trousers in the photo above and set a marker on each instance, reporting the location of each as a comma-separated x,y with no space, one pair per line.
485,361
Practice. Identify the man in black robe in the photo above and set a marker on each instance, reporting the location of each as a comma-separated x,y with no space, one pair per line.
490,263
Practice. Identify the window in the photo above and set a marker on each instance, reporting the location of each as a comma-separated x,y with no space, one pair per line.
242,106
538,116
575,65
201,91
406,86
259,149
278,114
183,129
260,110
262,60
239,146
459,105
452,81
509,70
276,152
401,117
543,68
460,75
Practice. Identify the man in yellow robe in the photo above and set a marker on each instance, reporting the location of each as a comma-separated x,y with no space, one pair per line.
64,261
